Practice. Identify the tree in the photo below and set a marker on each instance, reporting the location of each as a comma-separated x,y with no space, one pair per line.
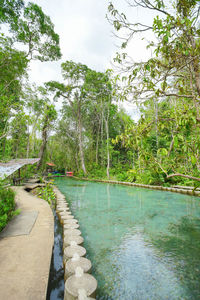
13,65
18,131
48,118
83,86
176,50
170,77
32,28
10,10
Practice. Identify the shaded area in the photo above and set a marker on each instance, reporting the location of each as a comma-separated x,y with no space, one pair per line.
55,289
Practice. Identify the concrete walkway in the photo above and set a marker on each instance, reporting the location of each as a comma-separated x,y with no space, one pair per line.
25,258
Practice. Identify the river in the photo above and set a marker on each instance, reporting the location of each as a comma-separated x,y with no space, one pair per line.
143,244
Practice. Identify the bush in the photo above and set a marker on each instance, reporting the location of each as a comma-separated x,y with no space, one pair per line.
80,173
46,193
123,176
132,174
119,172
94,171
150,177
7,206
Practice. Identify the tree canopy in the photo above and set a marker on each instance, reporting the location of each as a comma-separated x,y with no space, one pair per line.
77,122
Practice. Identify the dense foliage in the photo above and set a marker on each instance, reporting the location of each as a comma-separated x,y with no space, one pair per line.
46,193
31,35
166,140
89,134
7,206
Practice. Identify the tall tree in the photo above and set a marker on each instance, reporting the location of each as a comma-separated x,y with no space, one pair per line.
48,117
32,28
80,89
171,74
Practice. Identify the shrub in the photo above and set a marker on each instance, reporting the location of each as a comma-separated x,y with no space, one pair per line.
7,206
46,193
150,177
123,176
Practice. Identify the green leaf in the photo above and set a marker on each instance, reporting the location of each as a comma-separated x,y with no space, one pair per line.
162,152
175,142
193,159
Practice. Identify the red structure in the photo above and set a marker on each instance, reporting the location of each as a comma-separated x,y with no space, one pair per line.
69,174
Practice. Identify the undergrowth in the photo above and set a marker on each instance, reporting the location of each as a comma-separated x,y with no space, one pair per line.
7,206
46,193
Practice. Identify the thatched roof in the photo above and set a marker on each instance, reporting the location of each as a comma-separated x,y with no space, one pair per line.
6,169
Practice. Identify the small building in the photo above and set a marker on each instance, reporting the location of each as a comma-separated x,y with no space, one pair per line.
69,174
50,167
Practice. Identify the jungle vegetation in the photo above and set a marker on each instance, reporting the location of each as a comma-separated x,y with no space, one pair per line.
90,134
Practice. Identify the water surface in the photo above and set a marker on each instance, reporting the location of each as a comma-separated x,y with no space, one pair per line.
55,290
143,244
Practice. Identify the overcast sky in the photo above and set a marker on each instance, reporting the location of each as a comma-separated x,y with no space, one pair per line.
85,35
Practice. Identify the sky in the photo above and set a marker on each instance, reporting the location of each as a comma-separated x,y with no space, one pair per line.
85,36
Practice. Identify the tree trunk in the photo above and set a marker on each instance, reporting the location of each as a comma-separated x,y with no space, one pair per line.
16,149
32,144
97,143
185,176
195,67
28,144
81,142
76,160
102,120
133,161
197,75
177,174
156,116
44,143
171,145
108,152
193,94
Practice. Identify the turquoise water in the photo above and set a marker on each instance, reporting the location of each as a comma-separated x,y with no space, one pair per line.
143,244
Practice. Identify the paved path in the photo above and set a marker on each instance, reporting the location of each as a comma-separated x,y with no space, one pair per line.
25,258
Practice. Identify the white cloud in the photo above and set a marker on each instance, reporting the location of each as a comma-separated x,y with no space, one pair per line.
86,36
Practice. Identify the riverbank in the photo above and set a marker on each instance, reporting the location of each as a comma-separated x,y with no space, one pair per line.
26,249
186,190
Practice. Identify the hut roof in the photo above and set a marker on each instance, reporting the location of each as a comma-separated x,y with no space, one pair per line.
6,169
51,164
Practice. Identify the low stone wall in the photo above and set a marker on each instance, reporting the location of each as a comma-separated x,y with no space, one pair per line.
181,190
79,284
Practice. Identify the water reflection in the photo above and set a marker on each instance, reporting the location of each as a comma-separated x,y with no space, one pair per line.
144,244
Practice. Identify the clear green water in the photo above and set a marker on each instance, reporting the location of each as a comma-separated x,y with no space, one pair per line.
143,244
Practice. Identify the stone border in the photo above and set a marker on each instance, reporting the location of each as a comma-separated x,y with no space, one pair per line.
153,187
79,285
